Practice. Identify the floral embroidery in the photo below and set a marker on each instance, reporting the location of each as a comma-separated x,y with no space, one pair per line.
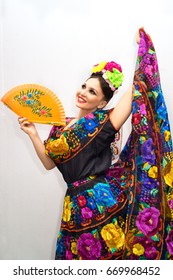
67,209
148,221
113,236
89,248
31,99
169,242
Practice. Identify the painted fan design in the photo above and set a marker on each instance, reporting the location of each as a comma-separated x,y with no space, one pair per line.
35,102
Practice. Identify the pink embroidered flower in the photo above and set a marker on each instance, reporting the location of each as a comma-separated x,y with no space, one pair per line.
43,112
169,242
142,47
143,109
69,255
86,213
148,221
170,203
110,65
81,201
89,248
150,253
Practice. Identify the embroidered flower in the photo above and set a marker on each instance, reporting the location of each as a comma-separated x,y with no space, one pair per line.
113,235
169,242
148,152
138,249
60,248
167,135
148,58
143,109
81,200
103,195
170,203
24,97
74,248
90,125
148,221
153,172
58,146
91,203
136,118
86,213
149,183
89,248
142,47
69,255
151,253
168,174
67,209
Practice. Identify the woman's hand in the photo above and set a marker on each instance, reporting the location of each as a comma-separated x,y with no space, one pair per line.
138,36
28,127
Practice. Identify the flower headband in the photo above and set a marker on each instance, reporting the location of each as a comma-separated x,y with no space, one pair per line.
112,73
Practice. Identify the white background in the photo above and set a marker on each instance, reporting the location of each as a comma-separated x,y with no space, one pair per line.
55,43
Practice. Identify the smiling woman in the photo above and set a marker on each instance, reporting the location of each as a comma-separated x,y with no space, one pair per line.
113,211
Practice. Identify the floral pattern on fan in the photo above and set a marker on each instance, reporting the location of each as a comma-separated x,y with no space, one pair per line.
37,103
31,98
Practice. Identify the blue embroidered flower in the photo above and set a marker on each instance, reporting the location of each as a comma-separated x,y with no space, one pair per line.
90,125
91,203
103,195
161,108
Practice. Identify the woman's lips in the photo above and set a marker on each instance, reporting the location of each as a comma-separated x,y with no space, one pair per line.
81,99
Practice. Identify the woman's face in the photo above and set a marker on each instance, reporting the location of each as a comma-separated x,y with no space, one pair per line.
89,96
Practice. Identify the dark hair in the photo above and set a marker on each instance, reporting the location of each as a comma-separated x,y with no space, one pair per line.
108,93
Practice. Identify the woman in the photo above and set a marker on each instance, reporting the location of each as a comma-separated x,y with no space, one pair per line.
113,211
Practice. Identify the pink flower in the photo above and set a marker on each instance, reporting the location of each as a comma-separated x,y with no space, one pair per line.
86,213
110,65
89,247
169,242
143,109
148,221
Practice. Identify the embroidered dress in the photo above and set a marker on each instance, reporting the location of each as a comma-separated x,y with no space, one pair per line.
122,210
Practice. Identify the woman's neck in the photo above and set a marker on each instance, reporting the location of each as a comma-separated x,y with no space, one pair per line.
83,113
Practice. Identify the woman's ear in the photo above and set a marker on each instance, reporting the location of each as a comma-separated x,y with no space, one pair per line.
102,104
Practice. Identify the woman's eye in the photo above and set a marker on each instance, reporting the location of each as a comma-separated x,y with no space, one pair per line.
83,86
92,91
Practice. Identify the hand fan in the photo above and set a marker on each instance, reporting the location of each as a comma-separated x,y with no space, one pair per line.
35,102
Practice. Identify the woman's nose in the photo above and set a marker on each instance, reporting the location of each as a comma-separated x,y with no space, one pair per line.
83,91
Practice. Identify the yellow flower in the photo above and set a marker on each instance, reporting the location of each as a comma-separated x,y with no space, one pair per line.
67,209
113,236
167,135
153,172
99,68
74,248
138,249
168,174
58,146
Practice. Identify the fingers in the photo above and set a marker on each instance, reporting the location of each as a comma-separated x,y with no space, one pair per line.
23,122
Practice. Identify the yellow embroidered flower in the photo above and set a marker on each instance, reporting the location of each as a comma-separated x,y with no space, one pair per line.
167,135
168,174
74,247
99,67
67,209
113,236
58,146
138,249
153,172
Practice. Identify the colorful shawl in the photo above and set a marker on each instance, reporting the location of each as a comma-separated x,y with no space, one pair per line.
147,164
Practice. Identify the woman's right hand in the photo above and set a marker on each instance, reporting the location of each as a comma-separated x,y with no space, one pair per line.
28,127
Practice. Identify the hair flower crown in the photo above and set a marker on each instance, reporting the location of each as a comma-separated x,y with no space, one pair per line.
111,73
